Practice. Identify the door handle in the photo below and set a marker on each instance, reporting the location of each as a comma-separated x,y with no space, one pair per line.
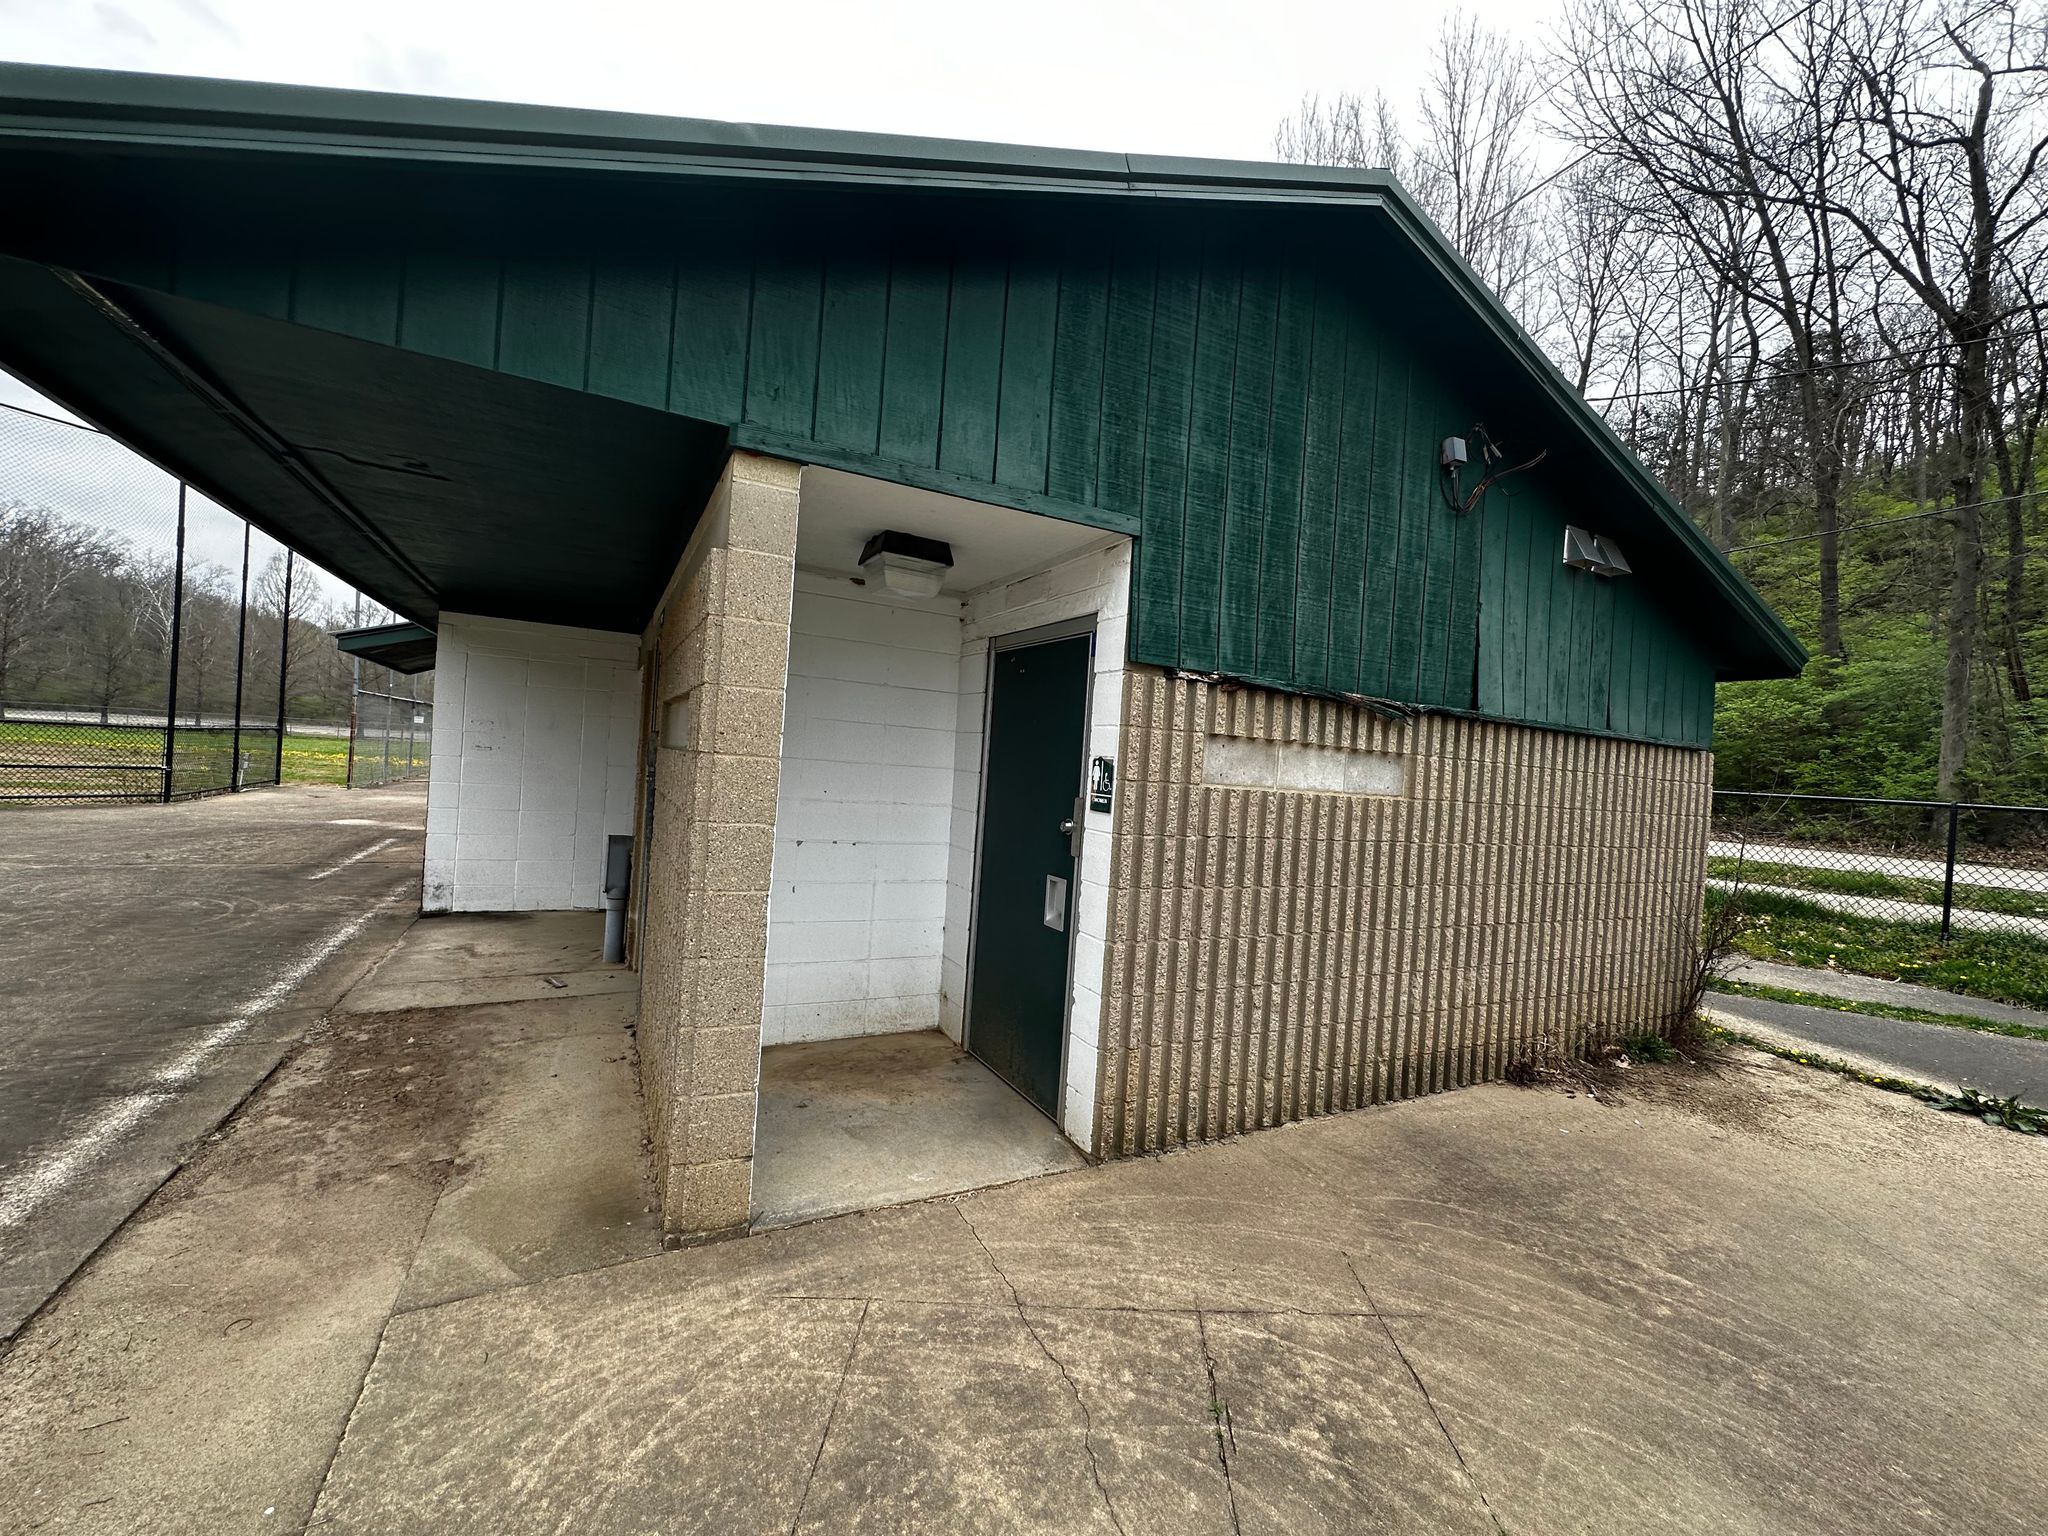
1056,903
1067,827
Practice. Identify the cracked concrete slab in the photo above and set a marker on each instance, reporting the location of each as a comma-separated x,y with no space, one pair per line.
1750,1298
969,1419
1325,1429
1187,1231
709,1422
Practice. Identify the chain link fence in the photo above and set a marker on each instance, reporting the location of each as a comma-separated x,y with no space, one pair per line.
391,736
153,645
1935,863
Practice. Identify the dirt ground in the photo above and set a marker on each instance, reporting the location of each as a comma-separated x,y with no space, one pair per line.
415,1286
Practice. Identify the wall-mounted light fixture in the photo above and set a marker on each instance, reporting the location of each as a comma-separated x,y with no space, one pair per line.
1585,551
907,563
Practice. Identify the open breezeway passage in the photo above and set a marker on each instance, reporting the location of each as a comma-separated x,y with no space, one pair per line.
155,963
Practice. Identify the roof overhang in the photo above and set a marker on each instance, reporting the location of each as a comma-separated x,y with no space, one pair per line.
136,115
404,648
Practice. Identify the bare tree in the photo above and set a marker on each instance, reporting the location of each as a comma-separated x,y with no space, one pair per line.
42,558
112,641
1731,112
1343,131
1952,198
1470,164
1599,249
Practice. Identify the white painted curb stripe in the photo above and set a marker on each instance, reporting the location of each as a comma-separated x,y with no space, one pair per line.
354,858
35,1187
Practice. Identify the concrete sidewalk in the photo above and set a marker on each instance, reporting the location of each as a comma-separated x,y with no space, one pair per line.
1850,987
1941,1055
414,1288
1946,1056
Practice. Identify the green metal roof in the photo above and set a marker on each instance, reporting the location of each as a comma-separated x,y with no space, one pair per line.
149,118
404,648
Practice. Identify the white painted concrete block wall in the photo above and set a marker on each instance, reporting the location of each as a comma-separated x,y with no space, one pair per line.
864,811
1097,583
536,728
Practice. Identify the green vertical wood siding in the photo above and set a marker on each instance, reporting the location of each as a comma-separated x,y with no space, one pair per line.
1568,648
1256,409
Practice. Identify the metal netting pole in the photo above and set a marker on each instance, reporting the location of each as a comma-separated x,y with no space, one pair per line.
1948,878
177,629
355,701
412,722
284,666
241,655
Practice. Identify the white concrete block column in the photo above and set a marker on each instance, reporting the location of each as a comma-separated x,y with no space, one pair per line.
535,732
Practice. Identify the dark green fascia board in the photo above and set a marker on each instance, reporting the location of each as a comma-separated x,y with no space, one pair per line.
403,648
52,104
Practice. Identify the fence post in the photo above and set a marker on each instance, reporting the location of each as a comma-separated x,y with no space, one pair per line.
177,631
241,655
355,701
284,666
1948,878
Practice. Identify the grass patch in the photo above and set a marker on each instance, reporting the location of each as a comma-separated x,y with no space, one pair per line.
1870,882
315,759
1878,1010
110,759
2008,967
1649,1048
2007,1114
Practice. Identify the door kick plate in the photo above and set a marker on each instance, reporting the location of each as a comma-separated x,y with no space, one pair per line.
1056,903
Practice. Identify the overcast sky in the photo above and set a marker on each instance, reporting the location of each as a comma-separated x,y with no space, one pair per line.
1191,77
1187,77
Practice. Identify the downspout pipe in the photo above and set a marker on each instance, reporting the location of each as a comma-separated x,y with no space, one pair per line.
618,881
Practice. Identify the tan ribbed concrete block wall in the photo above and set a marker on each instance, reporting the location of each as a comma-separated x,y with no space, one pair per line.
719,653
1276,955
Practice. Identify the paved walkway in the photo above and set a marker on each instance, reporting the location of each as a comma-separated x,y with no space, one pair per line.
1887,910
1944,1055
1940,1054
155,963
1998,876
411,1290
1851,987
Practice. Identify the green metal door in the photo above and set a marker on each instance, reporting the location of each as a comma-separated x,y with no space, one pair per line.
1024,888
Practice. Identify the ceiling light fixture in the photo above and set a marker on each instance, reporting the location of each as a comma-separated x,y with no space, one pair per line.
907,563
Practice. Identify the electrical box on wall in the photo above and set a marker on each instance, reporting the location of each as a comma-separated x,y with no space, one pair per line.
1101,783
